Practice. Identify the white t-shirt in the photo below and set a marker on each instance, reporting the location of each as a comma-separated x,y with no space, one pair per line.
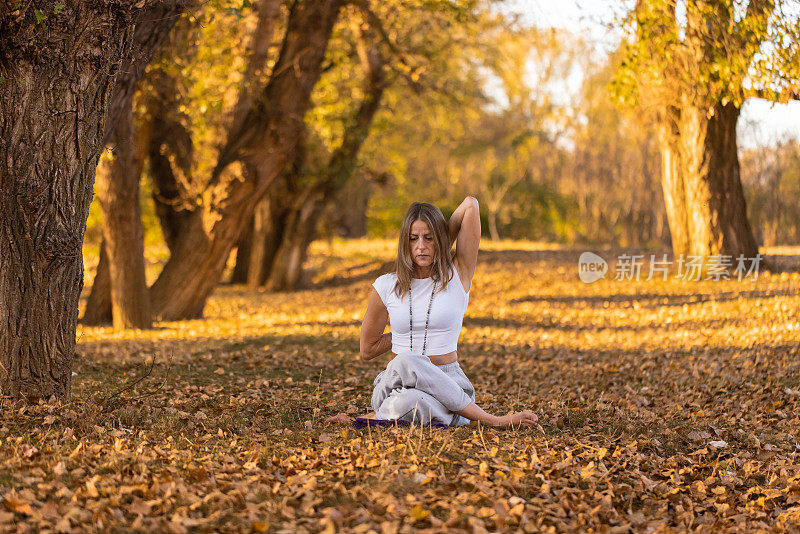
447,313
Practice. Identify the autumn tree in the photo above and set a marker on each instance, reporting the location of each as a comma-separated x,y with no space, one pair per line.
260,146
692,71
118,188
257,143
375,45
496,132
275,246
164,142
63,68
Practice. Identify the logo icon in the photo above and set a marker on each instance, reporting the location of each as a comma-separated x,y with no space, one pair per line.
591,267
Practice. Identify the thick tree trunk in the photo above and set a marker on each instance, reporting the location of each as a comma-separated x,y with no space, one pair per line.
53,105
702,185
123,233
731,226
172,141
98,306
264,142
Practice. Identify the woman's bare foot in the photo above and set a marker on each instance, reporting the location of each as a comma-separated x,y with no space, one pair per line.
344,418
340,418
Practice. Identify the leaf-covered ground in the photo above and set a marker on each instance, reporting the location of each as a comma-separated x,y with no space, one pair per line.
663,406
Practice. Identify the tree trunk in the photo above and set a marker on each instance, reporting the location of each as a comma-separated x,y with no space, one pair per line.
257,53
494,235
98,306
731,226
702,187
170,151
287,267
53,105
152,29
263,234
269,229
172,141
123,233
153,25
264,144
268,12
352,222
243,246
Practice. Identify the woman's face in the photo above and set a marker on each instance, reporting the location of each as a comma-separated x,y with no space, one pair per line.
421,244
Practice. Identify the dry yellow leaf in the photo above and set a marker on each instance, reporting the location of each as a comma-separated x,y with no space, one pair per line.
418,513
260,526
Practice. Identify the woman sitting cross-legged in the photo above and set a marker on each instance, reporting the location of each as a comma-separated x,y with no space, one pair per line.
424,301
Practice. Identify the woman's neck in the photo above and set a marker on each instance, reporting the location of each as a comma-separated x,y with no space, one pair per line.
420,272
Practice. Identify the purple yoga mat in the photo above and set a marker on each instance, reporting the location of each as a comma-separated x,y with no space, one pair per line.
361,422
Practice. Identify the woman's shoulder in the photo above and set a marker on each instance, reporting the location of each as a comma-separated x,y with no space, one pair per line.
385,282
387,277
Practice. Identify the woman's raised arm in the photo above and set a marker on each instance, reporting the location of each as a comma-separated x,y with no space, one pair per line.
465,229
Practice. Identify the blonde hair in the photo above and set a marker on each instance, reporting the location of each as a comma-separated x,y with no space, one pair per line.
443,266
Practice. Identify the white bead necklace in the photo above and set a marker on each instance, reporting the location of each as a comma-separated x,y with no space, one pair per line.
411,323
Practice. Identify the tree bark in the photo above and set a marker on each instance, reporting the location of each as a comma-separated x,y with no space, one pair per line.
98,306
702,185
263,143
53,105
153,24
269,229
170,151
123,233
243,247
730,225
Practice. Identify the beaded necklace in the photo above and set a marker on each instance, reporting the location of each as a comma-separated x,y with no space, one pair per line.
411,323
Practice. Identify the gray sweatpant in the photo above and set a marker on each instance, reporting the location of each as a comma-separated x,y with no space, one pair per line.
414,389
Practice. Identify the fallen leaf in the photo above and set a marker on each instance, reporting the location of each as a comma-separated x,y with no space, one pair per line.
418,513
17,506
